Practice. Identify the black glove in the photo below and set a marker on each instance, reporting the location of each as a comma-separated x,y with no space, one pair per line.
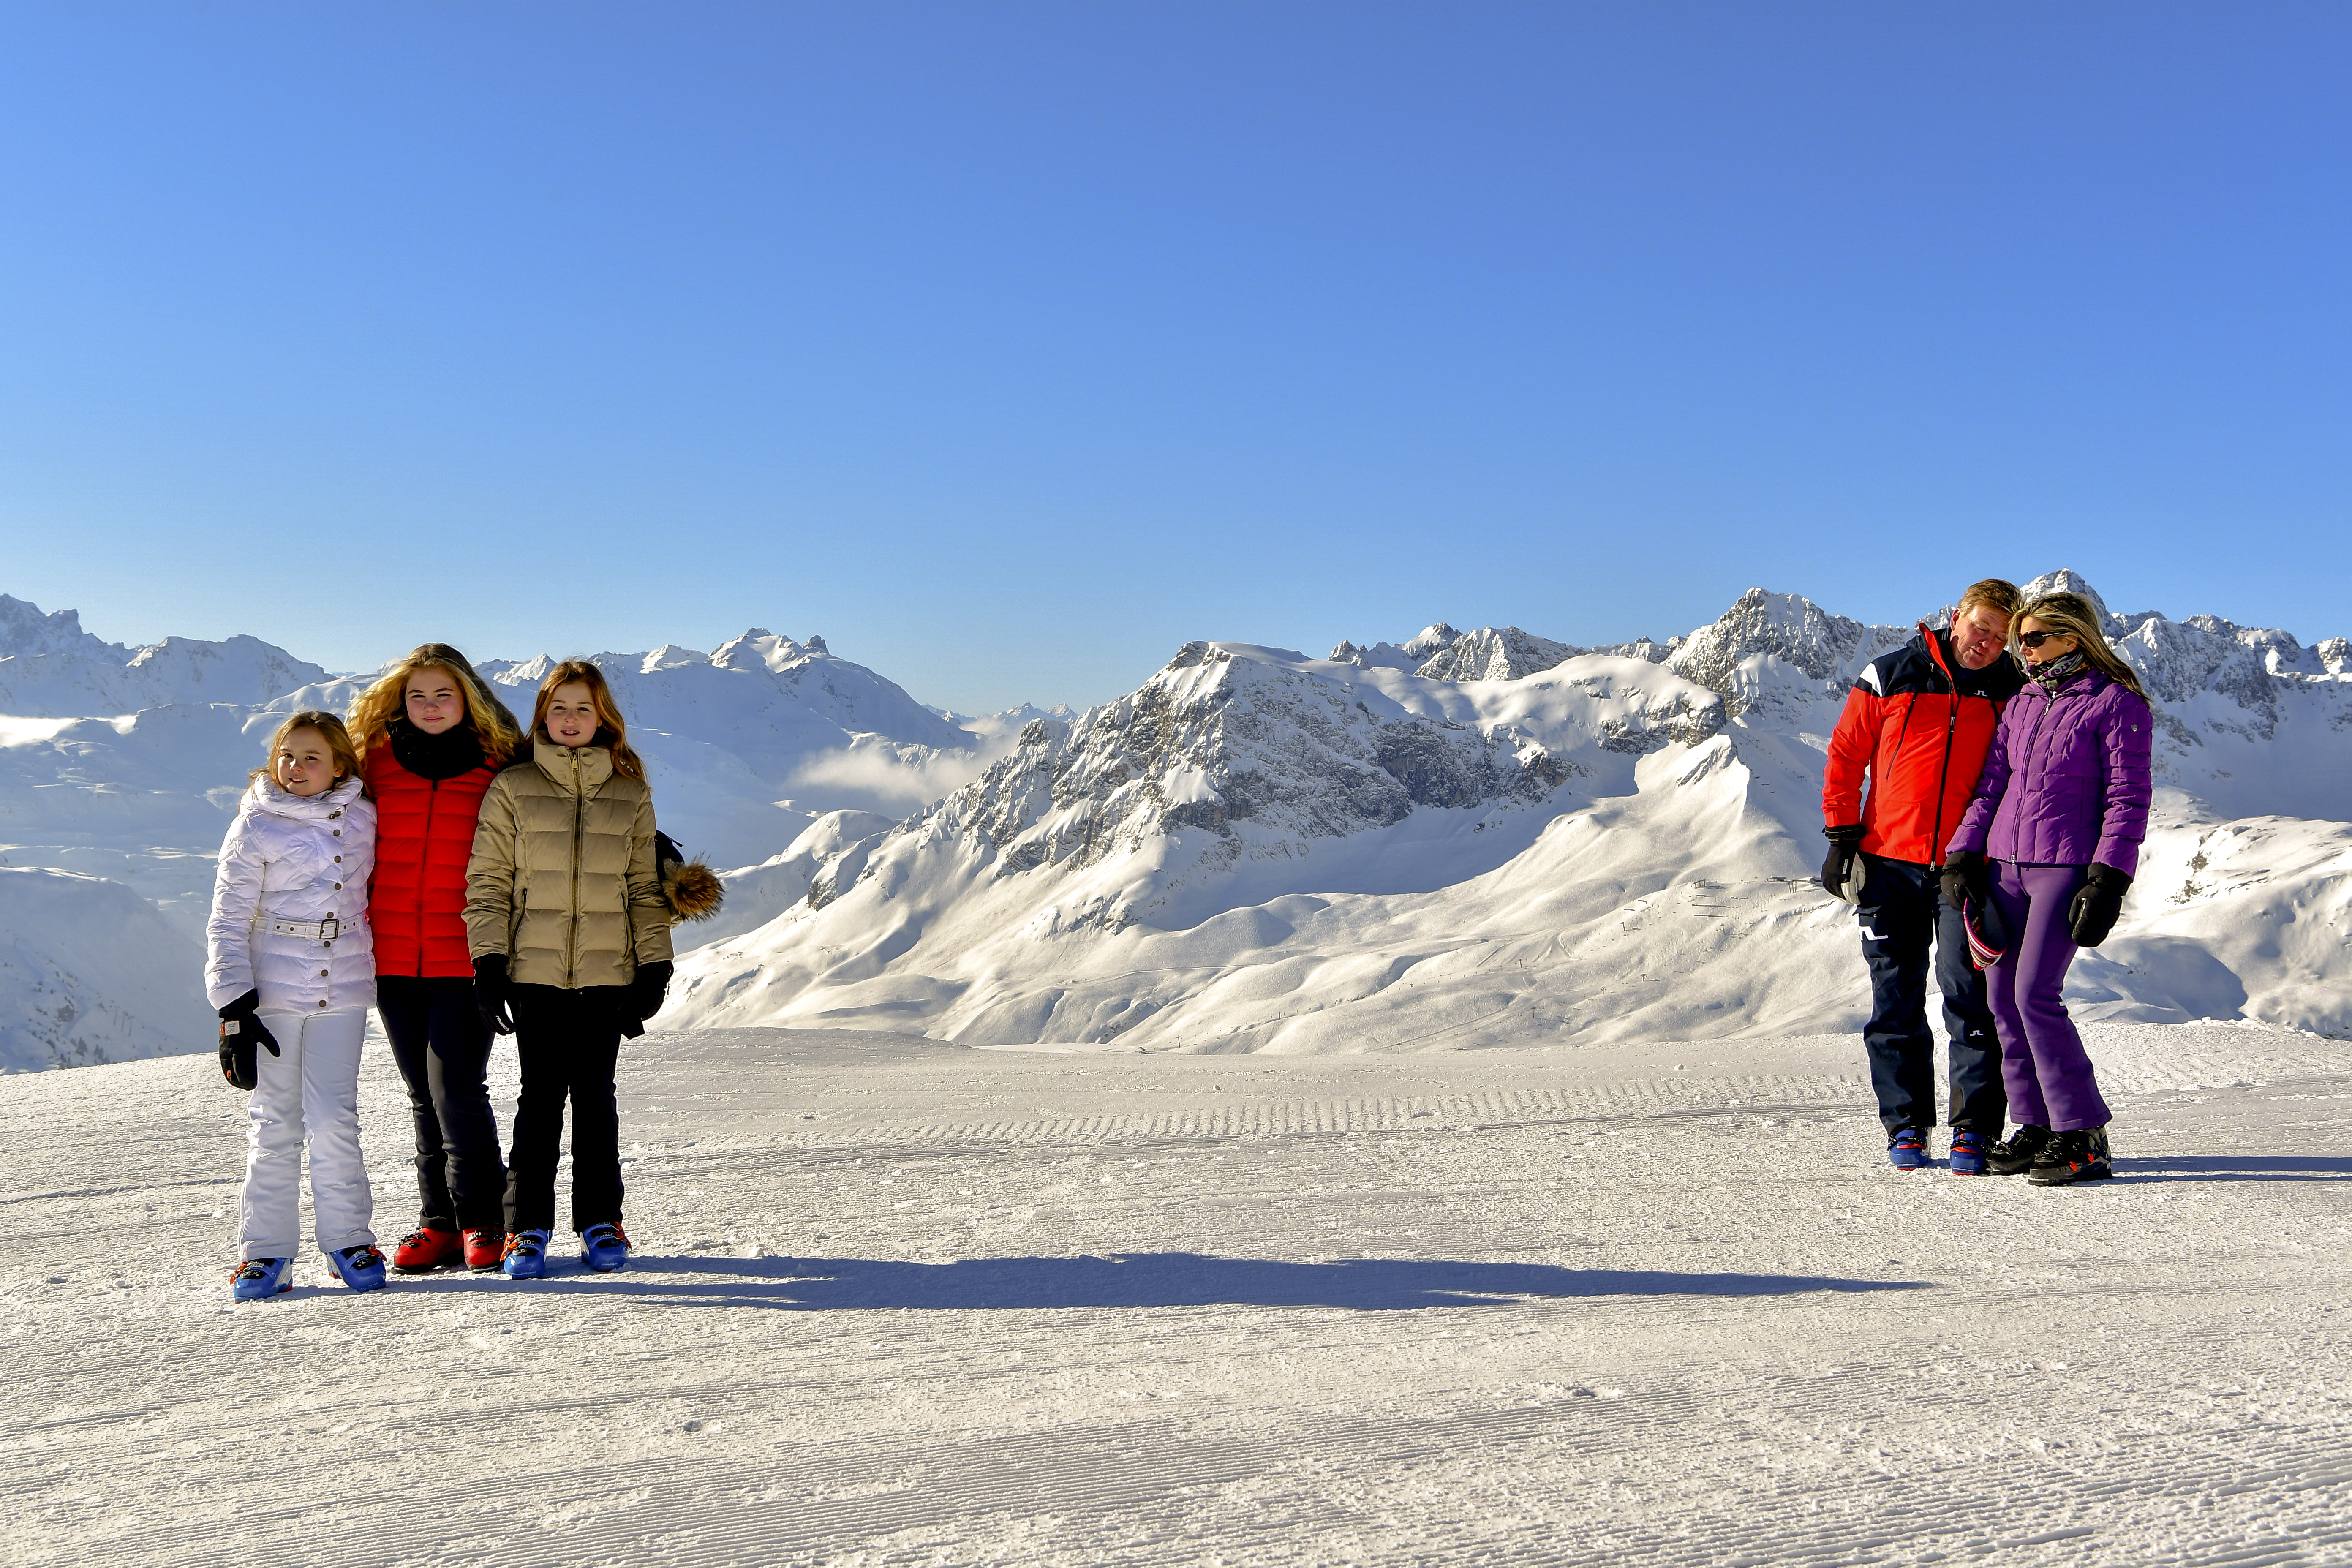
491,989
1844,844
1967,874
241,1029
646,992
2096,905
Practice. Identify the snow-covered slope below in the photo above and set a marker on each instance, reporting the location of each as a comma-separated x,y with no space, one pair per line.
1259,851
90,971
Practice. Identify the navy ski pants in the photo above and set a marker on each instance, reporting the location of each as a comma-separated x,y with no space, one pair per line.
1902,911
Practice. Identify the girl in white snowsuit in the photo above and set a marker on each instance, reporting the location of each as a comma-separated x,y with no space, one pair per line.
291,968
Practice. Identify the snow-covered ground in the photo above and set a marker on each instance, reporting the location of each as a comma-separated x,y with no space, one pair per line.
902,1301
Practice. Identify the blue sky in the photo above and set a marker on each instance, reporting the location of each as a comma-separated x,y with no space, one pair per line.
1011,345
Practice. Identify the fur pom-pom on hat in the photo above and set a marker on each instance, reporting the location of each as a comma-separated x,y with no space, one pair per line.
692,889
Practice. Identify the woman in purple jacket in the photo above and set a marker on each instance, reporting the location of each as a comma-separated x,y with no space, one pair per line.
2051,841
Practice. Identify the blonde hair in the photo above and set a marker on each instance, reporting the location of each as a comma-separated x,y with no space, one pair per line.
1993,594
330,728
612,731
2073,615
374,709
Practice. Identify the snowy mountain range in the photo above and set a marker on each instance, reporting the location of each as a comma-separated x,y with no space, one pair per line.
1451,842
1467,838
121,767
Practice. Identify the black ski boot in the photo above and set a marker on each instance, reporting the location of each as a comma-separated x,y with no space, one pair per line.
2014,1155
2070,1157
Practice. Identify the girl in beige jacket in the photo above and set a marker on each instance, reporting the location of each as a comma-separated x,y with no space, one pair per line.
570,937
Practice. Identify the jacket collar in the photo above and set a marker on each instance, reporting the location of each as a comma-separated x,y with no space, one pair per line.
1999,680
581,769
267,799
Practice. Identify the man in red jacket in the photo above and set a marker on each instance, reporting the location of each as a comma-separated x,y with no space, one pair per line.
1917,725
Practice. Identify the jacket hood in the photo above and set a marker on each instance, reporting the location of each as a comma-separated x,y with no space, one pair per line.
265,798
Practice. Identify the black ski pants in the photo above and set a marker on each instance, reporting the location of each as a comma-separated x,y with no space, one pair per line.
1902,910
443,1050
568,1042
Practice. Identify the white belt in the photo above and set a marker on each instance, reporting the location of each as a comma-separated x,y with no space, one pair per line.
316,931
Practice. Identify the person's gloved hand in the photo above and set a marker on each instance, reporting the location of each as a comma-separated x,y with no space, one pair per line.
648,989
491,990
2096,904
1967,874
241,1029
1844,844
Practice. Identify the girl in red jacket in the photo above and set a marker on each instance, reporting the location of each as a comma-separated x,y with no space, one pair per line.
431,737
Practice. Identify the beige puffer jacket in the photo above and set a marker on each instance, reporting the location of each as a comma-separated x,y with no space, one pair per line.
562,877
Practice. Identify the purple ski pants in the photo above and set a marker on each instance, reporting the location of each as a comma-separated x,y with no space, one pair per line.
2043,1063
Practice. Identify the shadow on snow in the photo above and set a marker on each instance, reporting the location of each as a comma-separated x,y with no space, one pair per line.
2232,1168
1143,1279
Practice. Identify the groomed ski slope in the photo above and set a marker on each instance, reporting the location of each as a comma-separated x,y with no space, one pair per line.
899,1301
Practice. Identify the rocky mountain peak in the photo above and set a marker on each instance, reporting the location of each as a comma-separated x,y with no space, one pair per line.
25,632
2064,581
1766,635
1430,639
1495,653
1229,750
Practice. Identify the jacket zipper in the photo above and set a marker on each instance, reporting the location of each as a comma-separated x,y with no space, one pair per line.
424,863
572,941
1951,727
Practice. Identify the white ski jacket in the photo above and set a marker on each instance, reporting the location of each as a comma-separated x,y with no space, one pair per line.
292,861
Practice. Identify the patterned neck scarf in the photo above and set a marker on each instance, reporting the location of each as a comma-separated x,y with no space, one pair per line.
2050,676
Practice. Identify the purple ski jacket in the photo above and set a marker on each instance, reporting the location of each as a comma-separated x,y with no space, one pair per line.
2066,782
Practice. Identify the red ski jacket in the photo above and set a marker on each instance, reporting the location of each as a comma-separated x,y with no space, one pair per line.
424,837
1919,727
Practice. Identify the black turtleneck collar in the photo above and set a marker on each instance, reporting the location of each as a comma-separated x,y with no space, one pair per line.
443,756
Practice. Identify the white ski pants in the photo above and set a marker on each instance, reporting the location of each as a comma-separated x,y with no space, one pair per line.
308,1094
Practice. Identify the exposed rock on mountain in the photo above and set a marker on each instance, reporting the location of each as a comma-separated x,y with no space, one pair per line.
1780,651
1215,743
51,669
1495,653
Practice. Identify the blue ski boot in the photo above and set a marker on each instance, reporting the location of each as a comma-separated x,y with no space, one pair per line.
526,1256
257,1278
1908,1148
361,1267
603,1247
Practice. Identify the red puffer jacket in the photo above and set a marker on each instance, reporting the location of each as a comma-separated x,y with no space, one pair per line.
425,837
1919,727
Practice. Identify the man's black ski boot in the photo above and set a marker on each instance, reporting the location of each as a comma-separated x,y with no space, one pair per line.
2070,1157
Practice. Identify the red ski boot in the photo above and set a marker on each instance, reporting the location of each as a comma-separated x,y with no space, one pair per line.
422,1251
484,1248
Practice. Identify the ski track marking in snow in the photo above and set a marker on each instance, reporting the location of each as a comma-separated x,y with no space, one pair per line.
902,1303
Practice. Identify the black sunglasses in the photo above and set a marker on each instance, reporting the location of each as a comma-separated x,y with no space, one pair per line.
2035,639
